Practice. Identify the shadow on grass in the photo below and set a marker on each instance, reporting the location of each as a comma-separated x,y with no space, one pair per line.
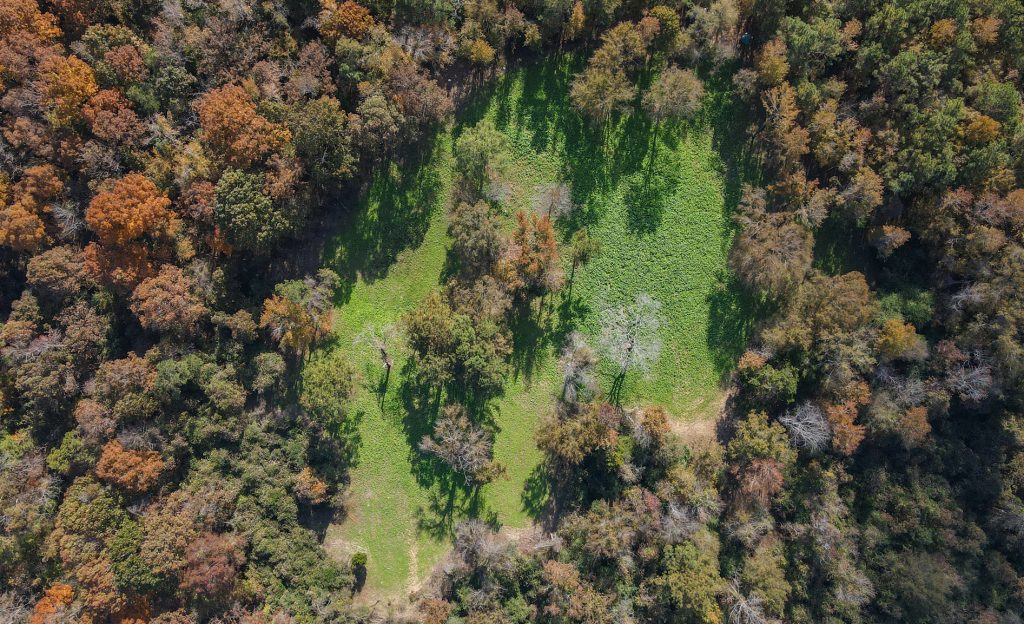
732,313
451,498
394,215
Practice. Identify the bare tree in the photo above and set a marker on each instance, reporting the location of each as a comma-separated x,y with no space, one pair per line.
577,362
744,609
629,334
554,200
807,427
380,338
13,609
972,380
463,445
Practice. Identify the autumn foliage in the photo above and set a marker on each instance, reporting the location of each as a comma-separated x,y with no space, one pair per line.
348,19
56,597
212,563
236,134
135,471
167,302
131,208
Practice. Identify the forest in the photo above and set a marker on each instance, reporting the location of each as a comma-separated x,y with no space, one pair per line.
511,311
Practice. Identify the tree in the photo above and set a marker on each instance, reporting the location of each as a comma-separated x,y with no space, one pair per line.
58,273
846,433
323,140
577,362
531,265
899,340
676,94
600,92
787,139
249,218
463,445
629,334
554,201
65,84
477,237
168,303
136,471
480,154
807,427
111,118
130,209
347,19
237,135
301,311
212,563
772,252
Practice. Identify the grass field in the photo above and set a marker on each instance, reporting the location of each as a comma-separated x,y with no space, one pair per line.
657,198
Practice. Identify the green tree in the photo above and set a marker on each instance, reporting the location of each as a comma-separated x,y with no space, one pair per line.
250,219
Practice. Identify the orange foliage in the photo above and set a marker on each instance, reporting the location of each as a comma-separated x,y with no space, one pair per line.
212,562
126,62
349,19
21,224
309,487
21,227
234,131
915,426
751,360
167,302
55,598
131,208
41,182
846,434
65,84
290,325
111,117
120,268
27,37
135,471
532,262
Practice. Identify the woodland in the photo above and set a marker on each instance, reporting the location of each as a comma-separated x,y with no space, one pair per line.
511,311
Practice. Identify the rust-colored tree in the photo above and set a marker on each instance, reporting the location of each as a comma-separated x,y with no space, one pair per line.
234,131
111,118
167,302
129,209
136,471
212,563
348,19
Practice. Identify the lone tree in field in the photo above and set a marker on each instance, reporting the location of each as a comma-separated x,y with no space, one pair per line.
381,338
629,334
577,362
554,200
676,94
463,445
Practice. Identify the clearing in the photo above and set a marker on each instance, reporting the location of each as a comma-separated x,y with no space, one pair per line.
658,199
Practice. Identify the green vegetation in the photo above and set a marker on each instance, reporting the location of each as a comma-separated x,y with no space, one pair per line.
657,200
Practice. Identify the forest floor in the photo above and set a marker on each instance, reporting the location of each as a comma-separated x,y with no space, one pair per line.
658,198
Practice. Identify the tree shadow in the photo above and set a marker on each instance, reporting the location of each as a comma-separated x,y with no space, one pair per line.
531,338
450,502
394,214
732,314
646,197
